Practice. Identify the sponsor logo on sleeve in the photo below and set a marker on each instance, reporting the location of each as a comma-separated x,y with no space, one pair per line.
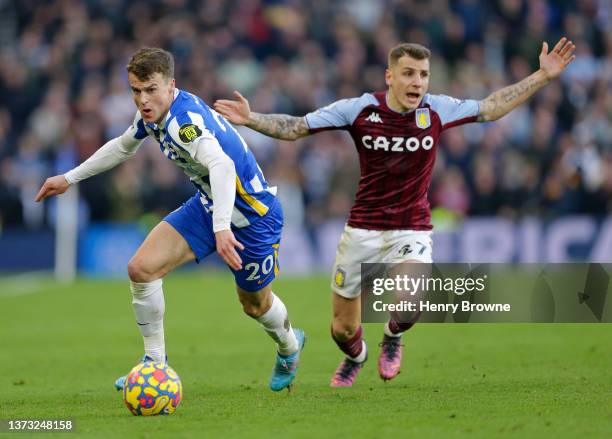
188,132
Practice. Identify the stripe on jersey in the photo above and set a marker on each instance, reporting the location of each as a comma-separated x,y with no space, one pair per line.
256,182
238,218
276,270
257,205
141,132
196,119
138,129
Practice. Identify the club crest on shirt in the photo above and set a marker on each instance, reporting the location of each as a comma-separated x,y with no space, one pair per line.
422,117
188,132
407,249
339,277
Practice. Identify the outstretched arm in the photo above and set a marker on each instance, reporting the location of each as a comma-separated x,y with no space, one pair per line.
112,153
503,101
279,126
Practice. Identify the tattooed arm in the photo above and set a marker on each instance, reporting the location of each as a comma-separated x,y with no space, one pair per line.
507,99
280,126
503,101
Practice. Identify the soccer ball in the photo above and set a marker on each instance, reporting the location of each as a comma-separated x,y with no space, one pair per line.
152,389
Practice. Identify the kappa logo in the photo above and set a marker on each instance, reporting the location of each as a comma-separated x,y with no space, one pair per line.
188,132
374,117
422,118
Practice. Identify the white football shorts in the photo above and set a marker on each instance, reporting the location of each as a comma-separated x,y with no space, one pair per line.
359,246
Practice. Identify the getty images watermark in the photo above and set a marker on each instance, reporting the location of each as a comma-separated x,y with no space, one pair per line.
404,284
486,292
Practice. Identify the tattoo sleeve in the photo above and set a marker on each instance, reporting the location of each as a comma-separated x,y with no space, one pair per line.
507,99
280,126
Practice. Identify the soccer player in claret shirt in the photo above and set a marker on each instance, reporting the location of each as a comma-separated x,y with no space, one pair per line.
234,211
396,133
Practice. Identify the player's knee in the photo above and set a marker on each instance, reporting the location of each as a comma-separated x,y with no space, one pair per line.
138,271
343,331
253,309
255,304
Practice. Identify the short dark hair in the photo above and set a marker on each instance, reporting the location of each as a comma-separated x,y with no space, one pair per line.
150,60
413,50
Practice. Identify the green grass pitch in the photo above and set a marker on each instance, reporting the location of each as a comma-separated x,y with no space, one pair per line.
62,348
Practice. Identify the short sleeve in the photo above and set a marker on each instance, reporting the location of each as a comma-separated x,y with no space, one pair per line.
453,111
186,129
137,130
338,115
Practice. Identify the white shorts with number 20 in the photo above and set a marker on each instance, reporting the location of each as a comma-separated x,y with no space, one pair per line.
359,246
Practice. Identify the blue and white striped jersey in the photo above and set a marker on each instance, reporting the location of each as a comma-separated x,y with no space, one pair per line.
188,121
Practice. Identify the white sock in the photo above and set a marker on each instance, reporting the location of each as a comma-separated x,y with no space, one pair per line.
362,355
149,307
276,323
389,333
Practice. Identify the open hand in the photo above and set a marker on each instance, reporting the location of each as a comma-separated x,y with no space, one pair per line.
52,186
226,247
237,112
553,63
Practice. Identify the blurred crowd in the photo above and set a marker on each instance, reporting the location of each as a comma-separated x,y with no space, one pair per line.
64,93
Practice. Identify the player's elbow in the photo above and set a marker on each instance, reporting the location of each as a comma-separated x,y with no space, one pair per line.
490,110
294,135
288,136
488,116
496,116
225,167
127,153
298,129
126,147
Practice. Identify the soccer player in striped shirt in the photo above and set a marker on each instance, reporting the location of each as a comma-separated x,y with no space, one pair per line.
396,133
233,211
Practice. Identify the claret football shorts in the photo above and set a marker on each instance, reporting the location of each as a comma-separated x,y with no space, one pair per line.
359,246
261,241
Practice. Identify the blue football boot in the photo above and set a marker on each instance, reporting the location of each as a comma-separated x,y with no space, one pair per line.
286,366
120,382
